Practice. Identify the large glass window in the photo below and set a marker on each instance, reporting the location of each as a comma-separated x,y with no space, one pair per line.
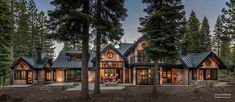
145,76
20,75
205,74
208,74
73,75
163,73
194,74
48,75
111,64
111,75
201,74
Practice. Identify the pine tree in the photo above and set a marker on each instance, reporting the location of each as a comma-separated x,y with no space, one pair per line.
42,40
206,37
181,36
193,37
67,46
161,26
228,19
232,57
22,38
32,13
218,33
109,14
71,19
5,40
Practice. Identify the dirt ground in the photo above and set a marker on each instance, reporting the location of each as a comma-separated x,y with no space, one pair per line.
128,94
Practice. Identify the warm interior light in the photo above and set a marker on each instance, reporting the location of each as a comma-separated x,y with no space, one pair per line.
59,76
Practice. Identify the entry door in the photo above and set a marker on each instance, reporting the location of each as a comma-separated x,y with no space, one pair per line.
29,77
169,75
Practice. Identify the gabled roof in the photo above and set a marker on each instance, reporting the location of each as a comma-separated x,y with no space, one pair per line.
132,47
194,60
32,62
63,62
120,51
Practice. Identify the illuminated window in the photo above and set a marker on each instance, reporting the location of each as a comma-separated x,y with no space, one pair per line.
73,58
208,74
110,55
163,73
20,75
194,74
201,74
48,75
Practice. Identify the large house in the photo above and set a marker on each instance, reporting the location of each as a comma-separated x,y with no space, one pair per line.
126,64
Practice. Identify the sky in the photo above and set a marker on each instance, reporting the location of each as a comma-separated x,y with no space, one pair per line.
209,8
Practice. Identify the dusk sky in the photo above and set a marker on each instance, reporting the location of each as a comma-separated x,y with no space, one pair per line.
209,8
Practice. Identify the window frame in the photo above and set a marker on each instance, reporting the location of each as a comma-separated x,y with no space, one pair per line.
20,75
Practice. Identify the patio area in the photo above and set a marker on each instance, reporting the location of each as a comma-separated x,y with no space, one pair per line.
17,86
102,87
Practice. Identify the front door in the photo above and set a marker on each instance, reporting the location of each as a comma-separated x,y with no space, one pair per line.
167,75
29,77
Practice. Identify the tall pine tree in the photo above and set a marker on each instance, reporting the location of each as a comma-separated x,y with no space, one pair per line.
228,38
206,37
71,19
22,39
161,26
108,17
218,34
192,42
6,31
42,36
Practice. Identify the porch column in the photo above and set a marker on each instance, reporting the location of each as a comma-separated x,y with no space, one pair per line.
52,75
198,78
134,76
124,75
129,75
160,76
218,71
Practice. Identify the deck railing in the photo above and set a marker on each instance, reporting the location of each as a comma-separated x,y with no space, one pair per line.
139,59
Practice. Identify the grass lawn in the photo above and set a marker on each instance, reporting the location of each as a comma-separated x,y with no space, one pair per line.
128,94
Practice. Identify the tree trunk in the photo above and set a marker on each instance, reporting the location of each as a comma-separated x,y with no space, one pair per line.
156,79
98,43
97,72
85,54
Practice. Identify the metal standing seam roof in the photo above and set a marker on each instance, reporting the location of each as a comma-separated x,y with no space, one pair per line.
63,62
124,47
192,60
32,62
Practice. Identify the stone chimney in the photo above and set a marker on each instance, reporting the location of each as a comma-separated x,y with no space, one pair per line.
39,55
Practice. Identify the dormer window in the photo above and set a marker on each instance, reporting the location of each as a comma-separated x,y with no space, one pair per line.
74,56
